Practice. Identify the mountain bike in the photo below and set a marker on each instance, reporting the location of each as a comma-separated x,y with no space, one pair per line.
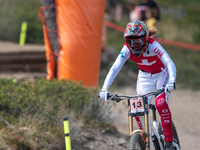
151,135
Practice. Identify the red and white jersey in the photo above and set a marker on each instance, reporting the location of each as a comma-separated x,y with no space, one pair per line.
154,58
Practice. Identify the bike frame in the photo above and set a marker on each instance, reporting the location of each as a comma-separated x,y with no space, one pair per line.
144,132
147,121
153,126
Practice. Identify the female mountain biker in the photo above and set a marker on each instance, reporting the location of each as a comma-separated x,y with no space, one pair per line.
156,70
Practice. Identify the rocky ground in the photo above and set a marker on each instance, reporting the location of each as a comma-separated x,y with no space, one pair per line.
99,139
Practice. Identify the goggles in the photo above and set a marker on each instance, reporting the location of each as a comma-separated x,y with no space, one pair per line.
137,43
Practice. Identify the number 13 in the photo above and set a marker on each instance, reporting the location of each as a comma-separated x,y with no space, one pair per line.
139,104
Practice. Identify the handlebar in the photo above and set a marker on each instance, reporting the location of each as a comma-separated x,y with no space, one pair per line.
119,97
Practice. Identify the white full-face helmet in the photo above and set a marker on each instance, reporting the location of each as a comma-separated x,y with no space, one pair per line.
136,37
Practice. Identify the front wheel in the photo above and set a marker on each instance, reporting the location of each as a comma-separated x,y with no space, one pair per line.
136,142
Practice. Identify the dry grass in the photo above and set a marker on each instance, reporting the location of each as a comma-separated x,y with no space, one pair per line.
30,133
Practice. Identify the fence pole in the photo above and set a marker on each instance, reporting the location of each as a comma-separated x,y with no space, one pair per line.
67,136
23,33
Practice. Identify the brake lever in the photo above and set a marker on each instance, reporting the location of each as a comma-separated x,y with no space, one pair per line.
114,97
118,100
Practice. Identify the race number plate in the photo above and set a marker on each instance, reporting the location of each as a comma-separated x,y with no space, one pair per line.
137,106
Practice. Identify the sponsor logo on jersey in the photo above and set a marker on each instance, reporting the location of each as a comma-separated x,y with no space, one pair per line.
158,52
122,54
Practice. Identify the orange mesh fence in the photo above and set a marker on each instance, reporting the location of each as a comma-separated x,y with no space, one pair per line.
51,66
194,47
189,46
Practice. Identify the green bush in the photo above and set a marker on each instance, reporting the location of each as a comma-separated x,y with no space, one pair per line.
35,110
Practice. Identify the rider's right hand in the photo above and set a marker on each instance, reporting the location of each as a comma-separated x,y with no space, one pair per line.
103,94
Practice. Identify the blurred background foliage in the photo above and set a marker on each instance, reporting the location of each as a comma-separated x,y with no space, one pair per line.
13,13
179,20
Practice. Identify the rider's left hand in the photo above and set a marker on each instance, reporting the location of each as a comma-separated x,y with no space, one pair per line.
170,86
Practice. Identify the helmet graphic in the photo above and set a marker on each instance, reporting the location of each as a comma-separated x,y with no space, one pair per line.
137,37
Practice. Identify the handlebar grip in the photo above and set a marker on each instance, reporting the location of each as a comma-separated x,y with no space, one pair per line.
159,91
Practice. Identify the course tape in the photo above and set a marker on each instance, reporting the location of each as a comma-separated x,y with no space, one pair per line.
194,47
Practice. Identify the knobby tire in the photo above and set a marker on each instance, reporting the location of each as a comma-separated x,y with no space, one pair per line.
136,142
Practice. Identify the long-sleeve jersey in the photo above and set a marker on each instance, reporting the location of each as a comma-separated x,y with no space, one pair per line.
154,58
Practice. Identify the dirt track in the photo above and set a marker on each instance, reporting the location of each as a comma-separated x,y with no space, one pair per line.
184,106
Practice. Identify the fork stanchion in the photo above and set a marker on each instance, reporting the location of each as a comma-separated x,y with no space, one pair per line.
67,136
